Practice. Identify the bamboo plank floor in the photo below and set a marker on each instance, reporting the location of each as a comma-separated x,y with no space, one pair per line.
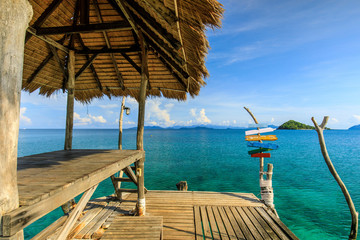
185,215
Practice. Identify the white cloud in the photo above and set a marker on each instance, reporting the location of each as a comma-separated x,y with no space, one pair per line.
130,122
357,117
272,120
79,121
156,114
99,119
335,120
23,118
153,123
200,118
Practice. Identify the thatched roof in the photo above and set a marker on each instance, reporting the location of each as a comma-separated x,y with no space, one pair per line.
103,34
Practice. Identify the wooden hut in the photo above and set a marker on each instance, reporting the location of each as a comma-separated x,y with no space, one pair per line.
92,48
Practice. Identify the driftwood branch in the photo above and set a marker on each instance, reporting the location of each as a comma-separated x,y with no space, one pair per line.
354,214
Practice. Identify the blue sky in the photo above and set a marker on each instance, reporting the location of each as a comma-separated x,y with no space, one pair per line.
282,59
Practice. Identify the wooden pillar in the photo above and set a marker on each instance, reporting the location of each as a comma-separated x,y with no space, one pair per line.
15,16
140,128
121,122
70,101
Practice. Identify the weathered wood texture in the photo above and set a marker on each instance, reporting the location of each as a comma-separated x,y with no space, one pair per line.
121,123
70,102
14,18
48,180
147,227
184,214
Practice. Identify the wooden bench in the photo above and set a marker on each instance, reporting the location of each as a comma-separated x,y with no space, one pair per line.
130,228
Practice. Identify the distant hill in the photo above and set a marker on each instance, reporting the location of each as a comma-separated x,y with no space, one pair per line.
294,125
356,127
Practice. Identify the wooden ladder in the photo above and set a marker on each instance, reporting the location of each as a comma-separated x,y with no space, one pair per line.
131,177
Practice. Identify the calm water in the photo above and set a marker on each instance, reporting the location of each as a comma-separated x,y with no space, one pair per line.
307,198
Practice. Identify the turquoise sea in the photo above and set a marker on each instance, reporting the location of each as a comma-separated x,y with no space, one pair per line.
307,198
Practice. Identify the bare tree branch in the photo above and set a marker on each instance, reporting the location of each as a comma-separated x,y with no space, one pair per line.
354,214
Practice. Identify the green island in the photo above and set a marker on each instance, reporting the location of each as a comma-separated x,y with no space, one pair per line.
294,125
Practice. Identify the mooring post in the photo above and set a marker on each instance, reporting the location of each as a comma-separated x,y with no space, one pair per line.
15,16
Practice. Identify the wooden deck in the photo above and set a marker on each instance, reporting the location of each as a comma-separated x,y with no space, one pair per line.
48,180
185,215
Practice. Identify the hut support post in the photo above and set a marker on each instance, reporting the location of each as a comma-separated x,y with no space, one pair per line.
70,101
354,213
14,20
140,128
121,122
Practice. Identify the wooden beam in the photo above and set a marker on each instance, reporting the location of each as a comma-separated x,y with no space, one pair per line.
121,6
149,23
84,11
39,68
58,60
168,59
48,40
74,215
86,65
70,102
133,48
178,78
108,44
93,70
48,11
137,68
162,11
89,28
125,11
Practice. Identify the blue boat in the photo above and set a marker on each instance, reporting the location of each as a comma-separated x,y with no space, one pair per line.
263,145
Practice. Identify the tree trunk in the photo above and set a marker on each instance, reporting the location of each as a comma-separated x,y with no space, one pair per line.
15,16
354,214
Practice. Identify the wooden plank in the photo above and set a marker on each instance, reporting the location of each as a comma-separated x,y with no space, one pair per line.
108,162
198,225
263,212
89,28
263,224
227,224
76,213
248,223
260,150
50,229
243,225
258,131
48,40
205,223
261,155
263,145
220,224
272,224
214,228
237,229
263,138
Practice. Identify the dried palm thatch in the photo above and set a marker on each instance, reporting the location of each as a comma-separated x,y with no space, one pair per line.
105,37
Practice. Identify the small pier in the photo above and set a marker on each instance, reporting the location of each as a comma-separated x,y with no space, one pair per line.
178,215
